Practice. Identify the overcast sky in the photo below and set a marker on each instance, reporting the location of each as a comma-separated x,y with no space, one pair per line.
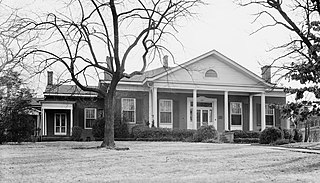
226,27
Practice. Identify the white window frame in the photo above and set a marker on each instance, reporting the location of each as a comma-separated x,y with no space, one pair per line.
55,124
85,116
166,125
236,127
135,110
268,114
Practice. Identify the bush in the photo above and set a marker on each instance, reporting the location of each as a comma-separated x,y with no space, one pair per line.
246,140
98,128
253,134
297,135
239,134
141,132
281,142
287,134
270,135
76,133
205,133
120,128
16,128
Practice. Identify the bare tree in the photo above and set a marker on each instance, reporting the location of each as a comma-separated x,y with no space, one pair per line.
100,35
302,20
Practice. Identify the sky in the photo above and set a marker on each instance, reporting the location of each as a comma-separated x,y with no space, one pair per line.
226,27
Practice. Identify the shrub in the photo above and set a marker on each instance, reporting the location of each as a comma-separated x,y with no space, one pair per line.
297,135
98,128
253,134
205,133
76,133
287,134
141,132
16,128
120,129
239,134
270,135
281,142
246,140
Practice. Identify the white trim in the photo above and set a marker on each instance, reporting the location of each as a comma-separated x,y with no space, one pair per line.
166,125
190,124
66,124
70,94
57,105
85,116
273,117
206,87
236,127
135,110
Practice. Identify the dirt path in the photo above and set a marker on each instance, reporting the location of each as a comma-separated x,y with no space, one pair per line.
155,162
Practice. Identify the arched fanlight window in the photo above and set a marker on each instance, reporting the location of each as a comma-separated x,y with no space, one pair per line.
211,74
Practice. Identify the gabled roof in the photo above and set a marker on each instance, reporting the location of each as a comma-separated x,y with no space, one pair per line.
217,54
67,90
147,74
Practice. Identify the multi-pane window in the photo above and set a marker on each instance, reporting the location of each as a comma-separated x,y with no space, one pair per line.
165,111
60,124
236,113
128,108
90,115
269,115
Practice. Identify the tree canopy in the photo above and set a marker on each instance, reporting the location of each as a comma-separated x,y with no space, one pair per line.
89,38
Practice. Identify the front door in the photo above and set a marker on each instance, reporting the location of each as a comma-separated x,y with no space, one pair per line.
60,121
206,112
204,116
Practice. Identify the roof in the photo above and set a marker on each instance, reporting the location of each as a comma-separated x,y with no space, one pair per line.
148,74
219,55
67,90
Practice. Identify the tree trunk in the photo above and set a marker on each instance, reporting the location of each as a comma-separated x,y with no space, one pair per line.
109,110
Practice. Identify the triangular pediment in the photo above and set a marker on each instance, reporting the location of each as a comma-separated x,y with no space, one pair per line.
212,68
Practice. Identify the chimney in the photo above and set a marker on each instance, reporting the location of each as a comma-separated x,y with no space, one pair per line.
50,78
266,73
165,62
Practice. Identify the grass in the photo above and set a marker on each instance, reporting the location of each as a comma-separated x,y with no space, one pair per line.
154,162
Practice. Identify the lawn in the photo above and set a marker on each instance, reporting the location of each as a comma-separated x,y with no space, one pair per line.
155,162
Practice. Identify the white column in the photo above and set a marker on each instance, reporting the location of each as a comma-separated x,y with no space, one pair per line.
42,122
155,106
194,109
226,112
263,111
71,121
45,124
250,112
150,108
